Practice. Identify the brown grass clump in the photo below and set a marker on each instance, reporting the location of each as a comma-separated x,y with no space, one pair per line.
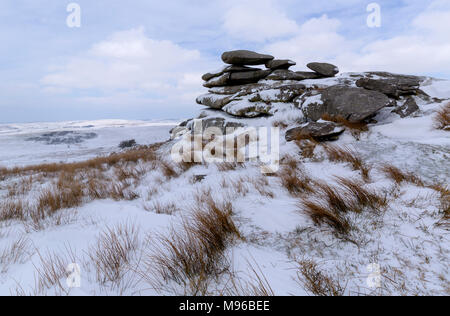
330,204
363,198
13,210
356,128
442,118
444,199
192,253
316,282
345,154
307,147
322,214
293,178
161,208
52,271
113,252
14,253
142,153
399,176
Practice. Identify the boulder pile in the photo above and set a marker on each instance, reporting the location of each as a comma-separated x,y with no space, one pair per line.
254,85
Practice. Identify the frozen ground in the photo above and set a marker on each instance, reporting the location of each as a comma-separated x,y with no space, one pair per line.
406,240
17,149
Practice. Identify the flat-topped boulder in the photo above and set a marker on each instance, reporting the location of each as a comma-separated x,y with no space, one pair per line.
353,104
280,64
392,86
319,131
232,68
245,57
325,69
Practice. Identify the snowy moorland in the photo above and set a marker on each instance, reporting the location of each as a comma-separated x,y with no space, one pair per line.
367,214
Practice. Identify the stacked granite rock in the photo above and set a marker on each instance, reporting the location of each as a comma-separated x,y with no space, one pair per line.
240,89
253,85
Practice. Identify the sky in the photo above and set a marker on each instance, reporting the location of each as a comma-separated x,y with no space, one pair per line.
143,59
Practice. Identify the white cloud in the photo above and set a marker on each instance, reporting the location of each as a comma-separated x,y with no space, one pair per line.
130,62
424,48
257,21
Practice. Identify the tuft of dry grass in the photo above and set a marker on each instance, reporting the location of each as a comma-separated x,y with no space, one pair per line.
141,153
364,198
316,282
330,204
51,270
113,251
442,118
307,147
161,208
444,200
348,155
295,180
192,253
14,253
399,176
321,213
13,210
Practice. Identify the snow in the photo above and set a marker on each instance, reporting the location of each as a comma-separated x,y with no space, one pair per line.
15,150
405,240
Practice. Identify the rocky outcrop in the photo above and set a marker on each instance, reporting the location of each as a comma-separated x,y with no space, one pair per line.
240,91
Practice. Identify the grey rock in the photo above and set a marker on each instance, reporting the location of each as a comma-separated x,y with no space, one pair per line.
393,87
407,109
245,108
199,178
239,78
232,68
224,125
214,101
353,104
245,57
219,81
327,70
286,93
282,74
320,131
241,89
280,64
308,75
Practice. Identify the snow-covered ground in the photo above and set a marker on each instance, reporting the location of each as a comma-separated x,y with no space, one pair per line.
278,239
17,150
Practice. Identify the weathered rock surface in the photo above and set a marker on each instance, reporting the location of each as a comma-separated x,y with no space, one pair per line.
232,68
280,64
224,125
327,70
353,104
214,101
237,78
291,75
393,87
245,57
320,131
248,109
408,108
